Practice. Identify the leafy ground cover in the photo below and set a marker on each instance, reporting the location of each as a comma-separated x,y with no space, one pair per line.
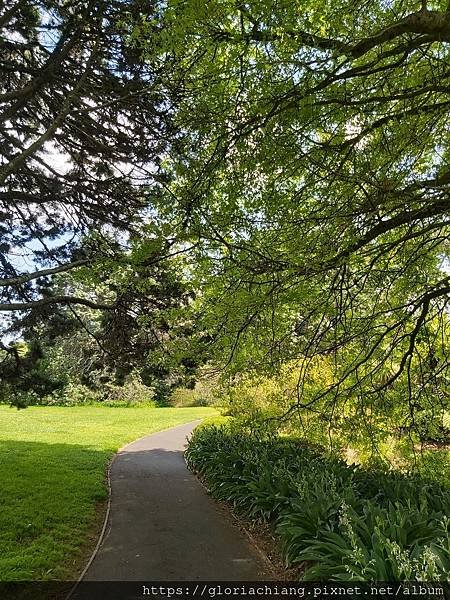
52,465
344,522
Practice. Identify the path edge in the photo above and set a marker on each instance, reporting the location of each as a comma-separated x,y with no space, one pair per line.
103,530
237,523
108,507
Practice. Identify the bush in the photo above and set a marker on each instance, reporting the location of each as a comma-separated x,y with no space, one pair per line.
183,397
350,423
345,522
202,394
131,393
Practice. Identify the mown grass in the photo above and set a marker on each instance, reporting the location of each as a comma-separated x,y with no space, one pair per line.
52,470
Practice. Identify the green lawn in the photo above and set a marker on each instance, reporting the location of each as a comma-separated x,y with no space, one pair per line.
52,470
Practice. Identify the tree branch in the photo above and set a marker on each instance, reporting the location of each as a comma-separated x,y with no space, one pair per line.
43,273
9,307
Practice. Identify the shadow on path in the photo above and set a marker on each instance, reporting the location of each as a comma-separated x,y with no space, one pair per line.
163,526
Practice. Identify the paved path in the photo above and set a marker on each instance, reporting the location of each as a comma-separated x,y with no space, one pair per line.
163,526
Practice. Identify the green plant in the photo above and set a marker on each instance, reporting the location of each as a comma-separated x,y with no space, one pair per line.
344,522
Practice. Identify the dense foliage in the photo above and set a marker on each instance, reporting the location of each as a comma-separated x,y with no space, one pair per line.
343,522
295,154
368,436
314,181
144,345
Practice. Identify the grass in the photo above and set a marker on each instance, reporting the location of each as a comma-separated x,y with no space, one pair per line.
52,466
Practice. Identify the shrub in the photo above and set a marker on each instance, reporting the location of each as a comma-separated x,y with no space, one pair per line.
351,423
183,397
345,522
204,393
131,393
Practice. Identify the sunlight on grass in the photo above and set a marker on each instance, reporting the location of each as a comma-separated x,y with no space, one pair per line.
52,465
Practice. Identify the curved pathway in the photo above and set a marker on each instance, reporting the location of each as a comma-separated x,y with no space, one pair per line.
162,525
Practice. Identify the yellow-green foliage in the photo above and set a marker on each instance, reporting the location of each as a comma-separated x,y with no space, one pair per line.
255,397
203,394
362,431
253,393
215,421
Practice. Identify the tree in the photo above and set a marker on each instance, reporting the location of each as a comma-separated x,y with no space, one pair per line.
147,333
82,129
315,182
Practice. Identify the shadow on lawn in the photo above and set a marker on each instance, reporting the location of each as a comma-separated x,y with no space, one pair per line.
52,497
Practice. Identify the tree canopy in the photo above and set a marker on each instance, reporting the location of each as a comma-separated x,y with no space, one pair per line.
82,131
296,153
315,178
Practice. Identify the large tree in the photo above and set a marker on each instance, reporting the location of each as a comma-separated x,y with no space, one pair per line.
83,129
145,336
82,133
316,180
